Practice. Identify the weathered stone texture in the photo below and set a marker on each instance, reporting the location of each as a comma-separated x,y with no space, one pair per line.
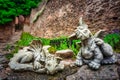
61,16
6,32
108,72
102,14
65,53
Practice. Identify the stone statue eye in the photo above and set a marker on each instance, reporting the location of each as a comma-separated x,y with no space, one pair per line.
76,32
80,34
81,27
48,58
48,64
85,31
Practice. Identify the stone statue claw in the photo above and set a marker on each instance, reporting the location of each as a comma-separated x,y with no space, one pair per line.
37,65
78,62
94,65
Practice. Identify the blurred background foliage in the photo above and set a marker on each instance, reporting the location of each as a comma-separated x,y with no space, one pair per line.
62,43
114,40
56,43
9,9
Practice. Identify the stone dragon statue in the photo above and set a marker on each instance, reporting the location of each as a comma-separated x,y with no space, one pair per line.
94,51
36,58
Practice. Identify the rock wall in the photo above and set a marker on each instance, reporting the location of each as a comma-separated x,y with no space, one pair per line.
6,32
60,17
103,14
12,30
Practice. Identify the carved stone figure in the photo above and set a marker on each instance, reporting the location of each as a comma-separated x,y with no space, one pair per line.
36,58
94,51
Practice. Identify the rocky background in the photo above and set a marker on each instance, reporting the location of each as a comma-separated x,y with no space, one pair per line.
61,17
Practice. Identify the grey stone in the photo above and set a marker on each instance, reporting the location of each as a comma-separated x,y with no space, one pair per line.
3,59
27,75
107,72
65,53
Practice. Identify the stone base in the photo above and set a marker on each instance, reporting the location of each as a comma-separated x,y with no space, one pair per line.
36,76
106,72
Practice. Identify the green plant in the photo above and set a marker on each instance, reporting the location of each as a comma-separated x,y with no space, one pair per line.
9,9
64,43
15,50
25,39
8,47
52,50
8,56
75,47
114,40
57,43
45,41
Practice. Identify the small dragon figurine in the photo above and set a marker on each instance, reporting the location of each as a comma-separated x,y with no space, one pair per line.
36,58
94,51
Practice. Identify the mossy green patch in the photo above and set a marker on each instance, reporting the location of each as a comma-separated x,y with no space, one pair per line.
114,40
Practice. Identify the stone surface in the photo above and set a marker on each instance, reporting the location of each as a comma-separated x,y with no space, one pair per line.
118,57
61,16
34,76
21,19
6,32
68,62
65,53
3,75
108,72
118,70
3,59
3,65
